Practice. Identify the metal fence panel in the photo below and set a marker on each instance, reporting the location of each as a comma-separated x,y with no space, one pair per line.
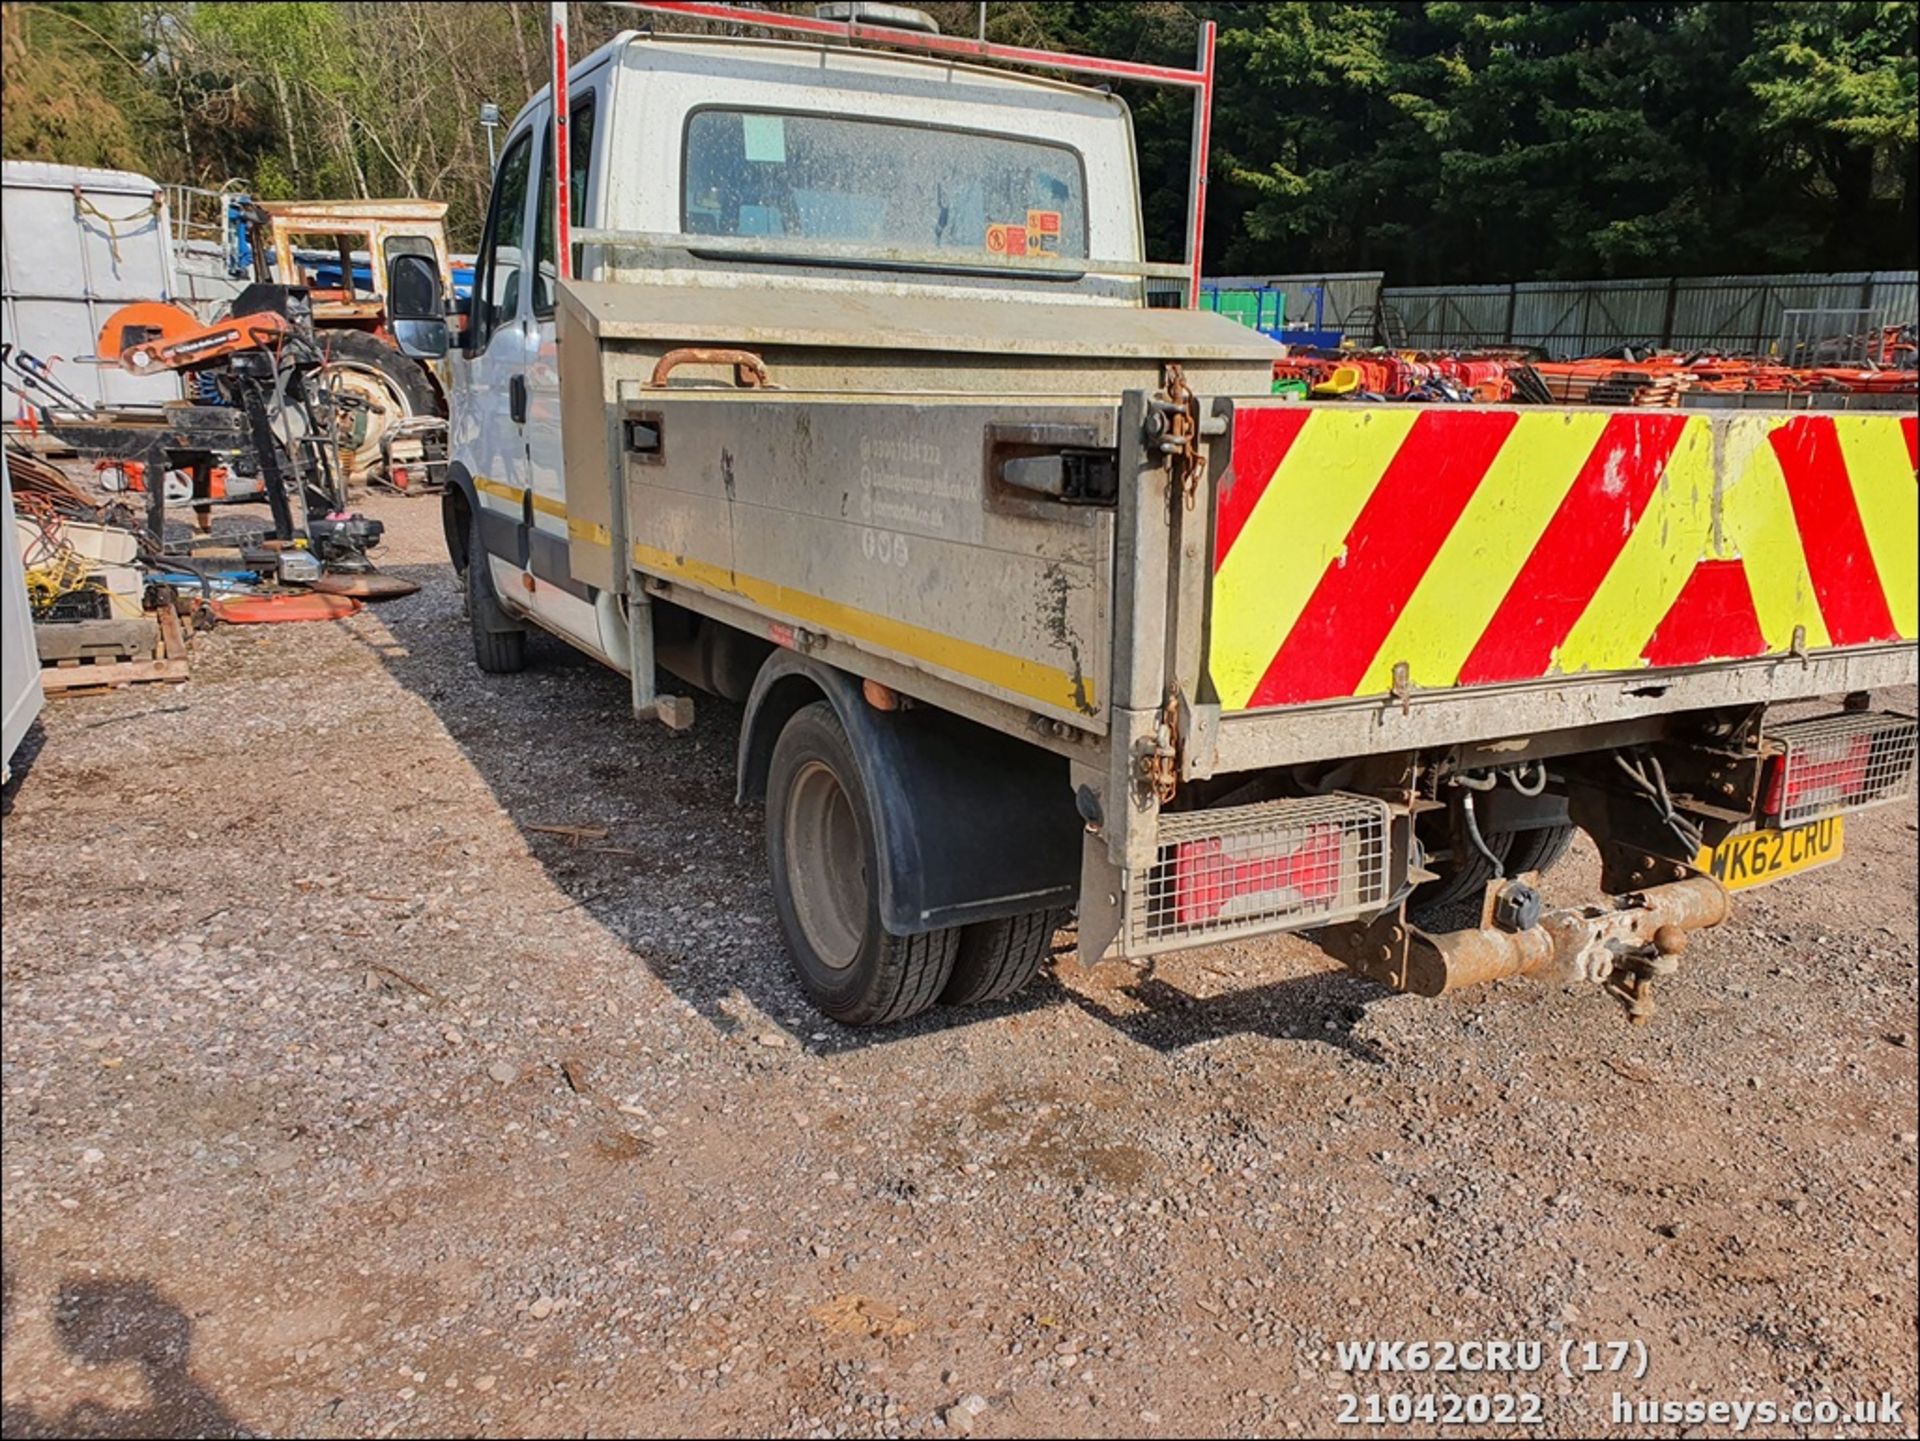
1352,293
1456,316
1572,318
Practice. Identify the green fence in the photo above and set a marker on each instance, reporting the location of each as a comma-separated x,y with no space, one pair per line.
1264,309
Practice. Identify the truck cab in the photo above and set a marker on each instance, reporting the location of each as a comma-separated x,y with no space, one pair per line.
756,141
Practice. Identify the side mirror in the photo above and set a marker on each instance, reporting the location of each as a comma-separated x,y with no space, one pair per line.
414,306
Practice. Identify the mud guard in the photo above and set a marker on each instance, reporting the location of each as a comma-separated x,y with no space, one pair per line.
971,825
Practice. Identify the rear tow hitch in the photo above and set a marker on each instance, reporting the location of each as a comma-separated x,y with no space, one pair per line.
1623,947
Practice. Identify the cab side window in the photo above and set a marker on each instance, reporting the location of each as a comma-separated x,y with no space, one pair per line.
503,253
579,170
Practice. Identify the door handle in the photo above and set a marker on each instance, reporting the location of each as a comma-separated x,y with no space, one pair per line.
517,398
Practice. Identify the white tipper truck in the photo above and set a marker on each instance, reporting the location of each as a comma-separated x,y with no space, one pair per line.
826,383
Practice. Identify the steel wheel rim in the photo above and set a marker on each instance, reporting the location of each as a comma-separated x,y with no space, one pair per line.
367,383
826,871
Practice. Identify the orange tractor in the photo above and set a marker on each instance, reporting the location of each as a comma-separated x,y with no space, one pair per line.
392,419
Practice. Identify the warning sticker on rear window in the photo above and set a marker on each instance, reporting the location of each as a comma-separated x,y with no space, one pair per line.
1043,230
1007,239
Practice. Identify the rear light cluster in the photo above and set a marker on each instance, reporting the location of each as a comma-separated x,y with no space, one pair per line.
1248,870
1839,763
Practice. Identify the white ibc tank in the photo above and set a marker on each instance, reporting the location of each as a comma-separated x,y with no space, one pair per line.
77,244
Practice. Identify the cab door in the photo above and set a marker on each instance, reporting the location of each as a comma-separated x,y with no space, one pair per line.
488,436
560,601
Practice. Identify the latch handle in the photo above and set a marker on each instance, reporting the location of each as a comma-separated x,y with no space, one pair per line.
749,370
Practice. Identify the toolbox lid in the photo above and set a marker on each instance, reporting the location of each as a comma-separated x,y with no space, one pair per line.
840,318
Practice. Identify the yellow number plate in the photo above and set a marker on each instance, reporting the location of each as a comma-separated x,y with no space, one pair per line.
1753,858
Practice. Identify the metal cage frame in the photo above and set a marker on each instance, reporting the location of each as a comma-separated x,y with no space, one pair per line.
1825,744
1217,875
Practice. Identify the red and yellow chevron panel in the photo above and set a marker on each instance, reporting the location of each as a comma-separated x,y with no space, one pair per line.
1477,546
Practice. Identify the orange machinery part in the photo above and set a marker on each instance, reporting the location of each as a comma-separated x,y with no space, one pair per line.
145,322
150,336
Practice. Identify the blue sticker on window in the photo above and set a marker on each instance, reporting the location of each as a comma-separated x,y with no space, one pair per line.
766,137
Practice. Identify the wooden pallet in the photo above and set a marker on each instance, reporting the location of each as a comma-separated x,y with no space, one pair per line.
102,663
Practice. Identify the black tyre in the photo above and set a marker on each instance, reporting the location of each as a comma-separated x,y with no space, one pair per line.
1539,850
394,386
996,959
825,869
1463,872
499,642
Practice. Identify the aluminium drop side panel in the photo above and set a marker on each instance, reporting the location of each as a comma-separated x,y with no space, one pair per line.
1390,576
591,448
867,519
852,500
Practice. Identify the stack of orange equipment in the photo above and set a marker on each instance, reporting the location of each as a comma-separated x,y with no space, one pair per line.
1487,379
1659,379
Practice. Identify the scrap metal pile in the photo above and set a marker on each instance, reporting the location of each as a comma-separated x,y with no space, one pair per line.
1625,377
109,579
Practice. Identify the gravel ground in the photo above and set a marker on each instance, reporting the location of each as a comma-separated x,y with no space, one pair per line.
340,1098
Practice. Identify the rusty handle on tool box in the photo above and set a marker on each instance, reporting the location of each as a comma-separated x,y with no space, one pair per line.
749,370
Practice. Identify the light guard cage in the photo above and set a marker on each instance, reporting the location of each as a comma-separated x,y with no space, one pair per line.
852,32
1849,762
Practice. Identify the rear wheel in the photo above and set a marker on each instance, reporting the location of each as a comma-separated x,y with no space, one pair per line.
1539,850
393,387
825,869
499,642
998,958
1462,871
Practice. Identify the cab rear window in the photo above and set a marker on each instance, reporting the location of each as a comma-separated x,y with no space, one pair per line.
883,183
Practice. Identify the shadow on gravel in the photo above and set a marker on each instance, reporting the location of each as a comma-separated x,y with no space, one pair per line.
111,1322
1323,1008
28,751
680,876
665,862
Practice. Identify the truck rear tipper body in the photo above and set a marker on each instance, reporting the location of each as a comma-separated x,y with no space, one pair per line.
1040,604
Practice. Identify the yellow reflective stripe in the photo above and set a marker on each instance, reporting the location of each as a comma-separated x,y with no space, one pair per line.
1296,531
498,490
1476,564
1652,568
1046,684
515,495
1758,526
1889,501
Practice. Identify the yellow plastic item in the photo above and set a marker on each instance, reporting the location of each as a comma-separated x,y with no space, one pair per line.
1344,381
